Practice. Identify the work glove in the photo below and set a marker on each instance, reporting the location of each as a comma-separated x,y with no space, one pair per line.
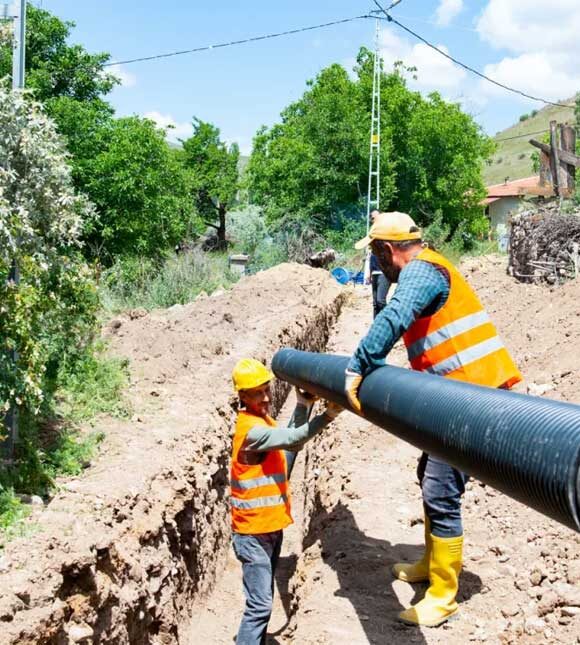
333,410
352,382
304,398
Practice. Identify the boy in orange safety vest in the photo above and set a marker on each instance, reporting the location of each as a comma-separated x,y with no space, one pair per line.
260,493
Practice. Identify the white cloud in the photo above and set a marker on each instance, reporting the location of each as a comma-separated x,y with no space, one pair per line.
175,130
447,11
531,25
544,45
127,79
540,73
434,71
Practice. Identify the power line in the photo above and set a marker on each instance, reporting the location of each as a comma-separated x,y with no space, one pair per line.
389,18
521,136
238,42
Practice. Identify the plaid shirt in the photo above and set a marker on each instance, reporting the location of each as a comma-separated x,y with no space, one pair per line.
422,290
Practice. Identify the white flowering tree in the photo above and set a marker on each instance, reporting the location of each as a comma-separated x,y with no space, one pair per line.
50,315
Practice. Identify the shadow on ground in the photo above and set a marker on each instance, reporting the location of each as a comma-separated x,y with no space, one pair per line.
363,567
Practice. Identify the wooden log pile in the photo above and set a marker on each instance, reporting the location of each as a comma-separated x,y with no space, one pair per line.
544,245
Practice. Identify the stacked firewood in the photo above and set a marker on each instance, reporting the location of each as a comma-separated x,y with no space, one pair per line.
544,245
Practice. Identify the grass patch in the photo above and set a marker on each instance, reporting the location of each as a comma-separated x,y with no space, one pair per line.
140,282
54,444
93,387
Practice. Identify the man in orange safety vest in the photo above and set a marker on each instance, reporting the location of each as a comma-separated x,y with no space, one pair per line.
260,489
447,332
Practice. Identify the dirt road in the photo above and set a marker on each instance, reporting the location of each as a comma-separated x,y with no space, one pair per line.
362,513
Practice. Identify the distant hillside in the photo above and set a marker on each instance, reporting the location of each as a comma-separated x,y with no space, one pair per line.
513,157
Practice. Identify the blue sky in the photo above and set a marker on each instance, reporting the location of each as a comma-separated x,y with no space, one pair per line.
529,44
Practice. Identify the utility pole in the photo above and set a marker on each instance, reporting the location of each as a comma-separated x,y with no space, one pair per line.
374,186
16,13
19,53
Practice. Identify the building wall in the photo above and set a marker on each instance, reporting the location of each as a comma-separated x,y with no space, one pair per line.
499,212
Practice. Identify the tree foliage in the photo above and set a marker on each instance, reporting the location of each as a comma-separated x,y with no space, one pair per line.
213,168
140,190
314,163
51,314
53,67
124,166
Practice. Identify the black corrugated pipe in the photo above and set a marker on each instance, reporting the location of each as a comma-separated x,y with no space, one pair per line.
525,446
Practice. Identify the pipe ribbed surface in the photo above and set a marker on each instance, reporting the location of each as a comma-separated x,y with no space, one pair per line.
524,446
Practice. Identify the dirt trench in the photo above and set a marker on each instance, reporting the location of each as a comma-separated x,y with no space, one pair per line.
360,511
121,554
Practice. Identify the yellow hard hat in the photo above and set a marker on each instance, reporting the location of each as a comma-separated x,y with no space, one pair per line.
249,373
395,226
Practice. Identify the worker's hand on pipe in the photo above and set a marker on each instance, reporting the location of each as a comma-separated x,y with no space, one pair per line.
333,410
304,398
352,382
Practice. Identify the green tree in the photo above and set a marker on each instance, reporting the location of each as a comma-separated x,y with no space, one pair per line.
315,162
53,67
139,188
213,168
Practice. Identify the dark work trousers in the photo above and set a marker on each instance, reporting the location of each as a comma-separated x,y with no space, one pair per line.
380,286
259,555
442,487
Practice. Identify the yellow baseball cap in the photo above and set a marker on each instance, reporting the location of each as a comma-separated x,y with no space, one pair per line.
394,226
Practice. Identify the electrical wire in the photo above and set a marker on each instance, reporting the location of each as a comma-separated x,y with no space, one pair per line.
521,136
389,18
238,42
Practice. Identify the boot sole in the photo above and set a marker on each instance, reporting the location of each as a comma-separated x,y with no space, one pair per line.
447,619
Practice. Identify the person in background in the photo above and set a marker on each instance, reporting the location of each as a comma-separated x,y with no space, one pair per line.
260,488
379,283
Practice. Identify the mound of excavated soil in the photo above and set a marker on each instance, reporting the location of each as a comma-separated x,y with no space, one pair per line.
119,555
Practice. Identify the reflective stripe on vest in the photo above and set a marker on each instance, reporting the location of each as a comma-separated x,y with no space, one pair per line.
467,356
454,328
259,502
256,482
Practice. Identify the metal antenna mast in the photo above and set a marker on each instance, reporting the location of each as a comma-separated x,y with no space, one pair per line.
373,194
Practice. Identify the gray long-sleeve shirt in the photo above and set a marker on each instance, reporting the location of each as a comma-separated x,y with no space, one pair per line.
261,438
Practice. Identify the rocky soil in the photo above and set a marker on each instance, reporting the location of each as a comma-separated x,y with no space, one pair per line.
362,512
121,555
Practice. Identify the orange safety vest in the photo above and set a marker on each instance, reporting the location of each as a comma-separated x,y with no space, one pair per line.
459,341
260,495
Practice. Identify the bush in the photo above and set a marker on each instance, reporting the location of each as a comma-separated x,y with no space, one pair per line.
437,233
247,229
347,228
52,444
524,117
142,282
51,314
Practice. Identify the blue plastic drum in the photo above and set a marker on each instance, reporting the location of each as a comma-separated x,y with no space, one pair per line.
341,275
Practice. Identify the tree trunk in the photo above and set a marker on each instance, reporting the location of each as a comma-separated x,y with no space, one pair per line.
221,229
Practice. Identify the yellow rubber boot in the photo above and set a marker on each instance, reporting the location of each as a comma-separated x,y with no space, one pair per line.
417,571
439,603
